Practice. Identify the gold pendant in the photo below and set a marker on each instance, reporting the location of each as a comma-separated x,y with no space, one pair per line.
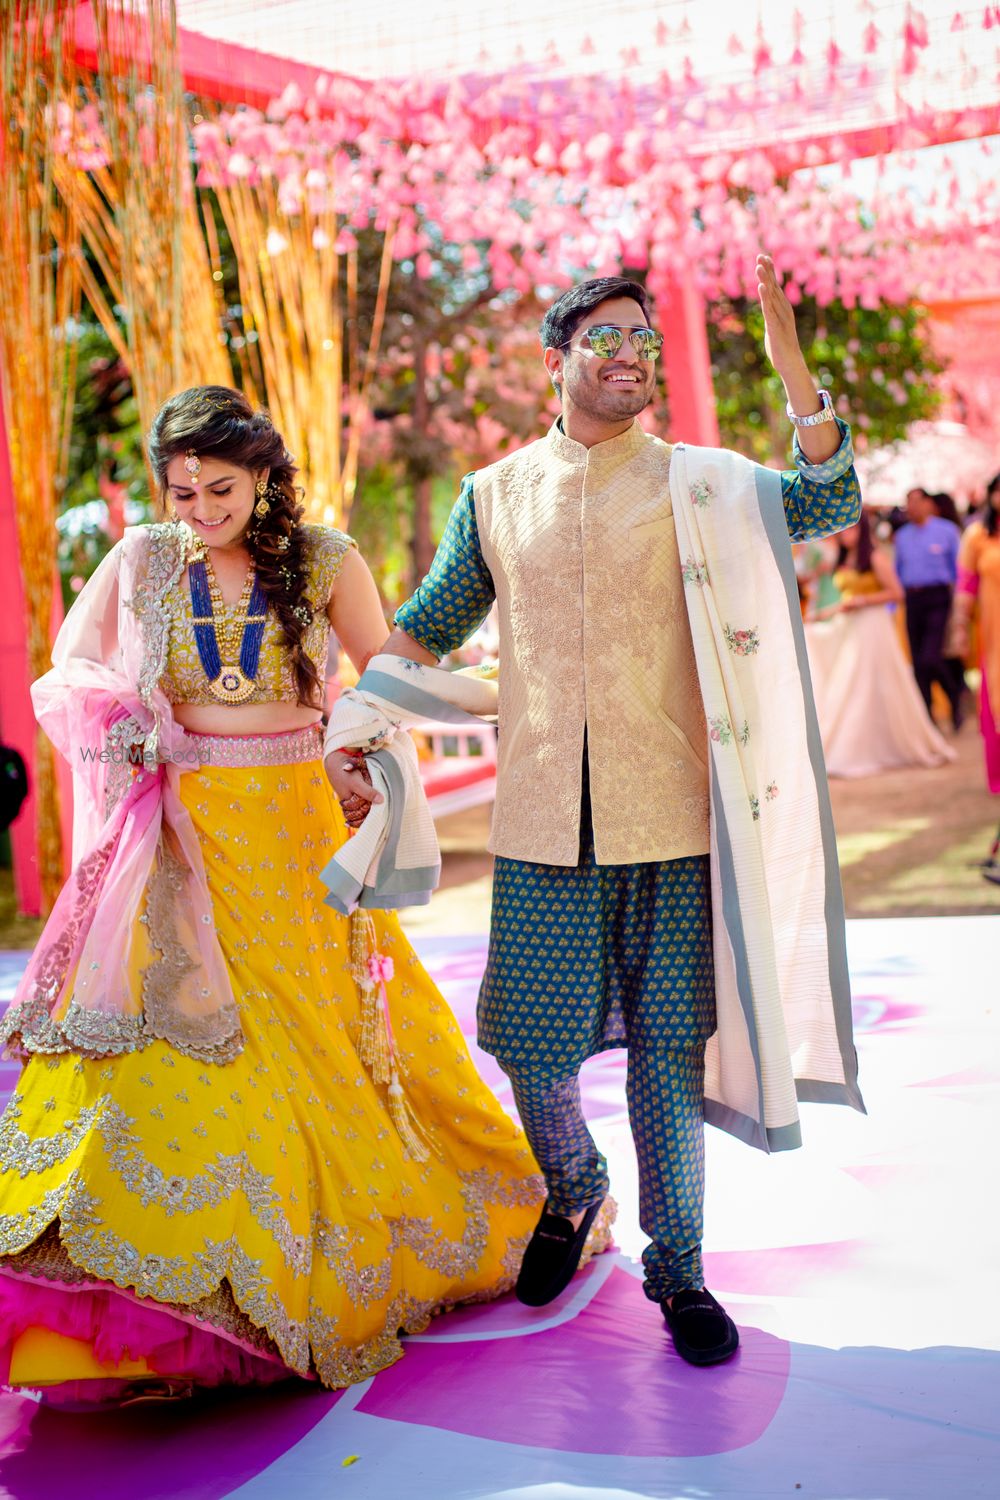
232,686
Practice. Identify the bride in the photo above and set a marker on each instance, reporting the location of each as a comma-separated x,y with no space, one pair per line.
871,715
248,1140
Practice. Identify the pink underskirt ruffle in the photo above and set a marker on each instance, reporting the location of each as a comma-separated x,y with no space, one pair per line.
119,1326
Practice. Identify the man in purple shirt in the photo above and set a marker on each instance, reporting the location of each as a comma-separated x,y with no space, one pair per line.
927,565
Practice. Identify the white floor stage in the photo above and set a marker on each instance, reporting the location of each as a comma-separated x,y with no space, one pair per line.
862,1271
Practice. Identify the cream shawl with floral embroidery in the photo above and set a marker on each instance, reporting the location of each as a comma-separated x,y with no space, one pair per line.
782,987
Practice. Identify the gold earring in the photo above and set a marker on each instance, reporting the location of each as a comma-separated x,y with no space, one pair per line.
263,506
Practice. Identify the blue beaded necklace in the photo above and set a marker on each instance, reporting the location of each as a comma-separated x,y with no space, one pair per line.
231,683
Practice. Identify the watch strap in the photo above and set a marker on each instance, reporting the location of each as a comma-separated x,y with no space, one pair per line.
826,412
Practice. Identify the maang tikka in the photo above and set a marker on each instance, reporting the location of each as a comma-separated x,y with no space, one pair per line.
192,464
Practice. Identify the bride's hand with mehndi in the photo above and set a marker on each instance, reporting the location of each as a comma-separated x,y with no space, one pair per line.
352,785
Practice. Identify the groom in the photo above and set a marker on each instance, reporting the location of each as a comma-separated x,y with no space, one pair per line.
601,931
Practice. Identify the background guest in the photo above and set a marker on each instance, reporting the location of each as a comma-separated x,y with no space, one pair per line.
946,508
979,579
870,715
927,565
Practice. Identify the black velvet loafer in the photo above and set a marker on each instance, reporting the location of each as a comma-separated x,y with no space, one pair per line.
702,1331
552,1256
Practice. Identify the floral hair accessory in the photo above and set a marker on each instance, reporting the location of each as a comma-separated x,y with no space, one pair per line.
217,403
192,464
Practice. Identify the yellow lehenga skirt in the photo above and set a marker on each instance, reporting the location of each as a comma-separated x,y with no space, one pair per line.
167,1219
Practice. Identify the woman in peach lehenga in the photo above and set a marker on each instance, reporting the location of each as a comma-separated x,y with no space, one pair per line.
871,715
248,1141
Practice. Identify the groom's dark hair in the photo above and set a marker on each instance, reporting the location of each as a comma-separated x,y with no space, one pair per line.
565,316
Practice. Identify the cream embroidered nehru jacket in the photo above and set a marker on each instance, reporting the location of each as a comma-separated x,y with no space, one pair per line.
578,547
595,643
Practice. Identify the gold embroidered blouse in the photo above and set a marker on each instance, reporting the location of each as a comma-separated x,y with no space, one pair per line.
184,680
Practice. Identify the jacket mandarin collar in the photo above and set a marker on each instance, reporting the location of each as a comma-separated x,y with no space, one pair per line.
610,453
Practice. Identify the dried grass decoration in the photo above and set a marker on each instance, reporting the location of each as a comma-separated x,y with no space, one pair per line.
297,261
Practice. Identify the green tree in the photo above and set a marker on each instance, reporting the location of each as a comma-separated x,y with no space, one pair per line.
106,474
877,364
460,383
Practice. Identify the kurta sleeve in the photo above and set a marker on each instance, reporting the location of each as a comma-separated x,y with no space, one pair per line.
457,594
821,499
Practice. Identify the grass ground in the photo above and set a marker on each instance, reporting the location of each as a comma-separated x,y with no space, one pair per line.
911,842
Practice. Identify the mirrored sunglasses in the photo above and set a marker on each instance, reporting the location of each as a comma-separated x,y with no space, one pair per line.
605,340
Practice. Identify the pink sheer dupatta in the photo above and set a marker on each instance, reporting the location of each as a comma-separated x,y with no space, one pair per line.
129,952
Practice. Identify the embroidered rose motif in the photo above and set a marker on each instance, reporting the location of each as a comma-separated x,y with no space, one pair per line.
701,493
771,791
745,733
694,572
742,642
720,730
755,807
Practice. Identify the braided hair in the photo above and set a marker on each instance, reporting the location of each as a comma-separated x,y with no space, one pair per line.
220,423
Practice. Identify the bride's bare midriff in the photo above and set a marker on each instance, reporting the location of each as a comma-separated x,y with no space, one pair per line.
244,718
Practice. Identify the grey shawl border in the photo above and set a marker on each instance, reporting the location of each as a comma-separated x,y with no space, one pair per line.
772,513
415,700
807,1090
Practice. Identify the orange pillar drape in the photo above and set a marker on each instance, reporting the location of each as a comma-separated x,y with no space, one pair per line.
687,365
17,721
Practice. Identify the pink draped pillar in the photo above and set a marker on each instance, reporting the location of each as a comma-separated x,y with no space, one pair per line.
17,721
687,366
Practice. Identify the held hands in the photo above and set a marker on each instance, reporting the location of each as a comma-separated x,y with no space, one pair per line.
352,783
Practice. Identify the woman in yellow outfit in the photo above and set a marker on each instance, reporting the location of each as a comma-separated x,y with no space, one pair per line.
248,1140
